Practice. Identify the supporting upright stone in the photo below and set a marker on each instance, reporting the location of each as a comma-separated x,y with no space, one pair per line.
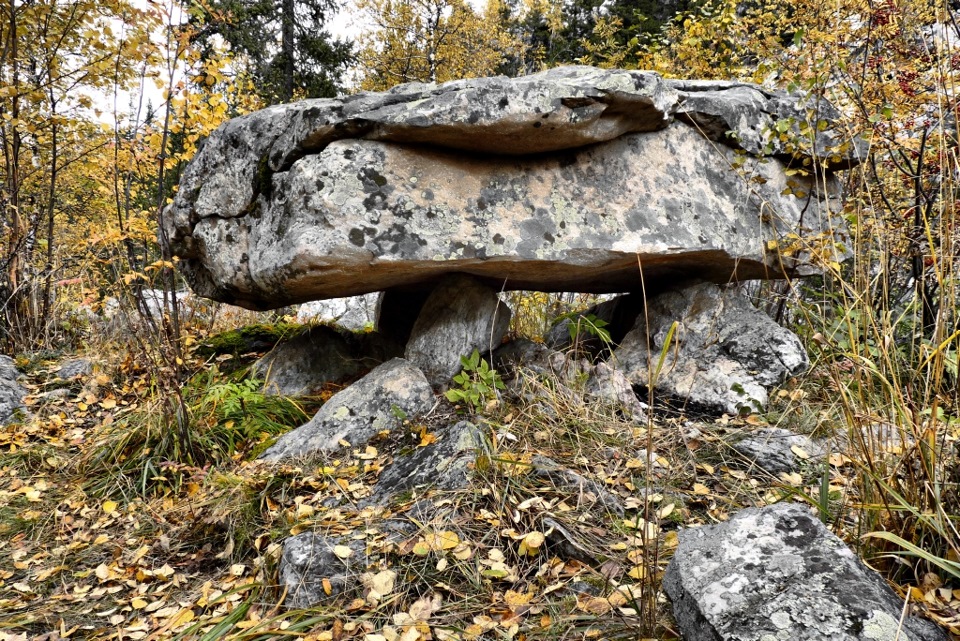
711,346
460,315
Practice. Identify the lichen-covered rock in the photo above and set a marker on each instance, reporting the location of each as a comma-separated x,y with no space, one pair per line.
777,574
303,364
11,392
378,401
460,315
443,464
723,353
569,180
309,558
776,450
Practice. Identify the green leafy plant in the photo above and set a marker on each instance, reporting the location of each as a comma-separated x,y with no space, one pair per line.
592,325
478,382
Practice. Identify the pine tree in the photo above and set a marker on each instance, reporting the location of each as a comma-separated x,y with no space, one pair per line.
281,45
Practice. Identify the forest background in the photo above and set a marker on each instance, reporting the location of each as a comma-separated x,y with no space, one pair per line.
102,103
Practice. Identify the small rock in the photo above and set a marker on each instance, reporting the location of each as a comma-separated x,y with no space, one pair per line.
76,367
309,558
320,355
461,315
610,385
378,401
778,450
11,392
443,464
777,573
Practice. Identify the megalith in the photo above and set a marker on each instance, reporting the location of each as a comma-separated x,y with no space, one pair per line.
573,179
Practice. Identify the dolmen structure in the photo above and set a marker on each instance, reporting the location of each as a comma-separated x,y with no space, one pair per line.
574,179
666,193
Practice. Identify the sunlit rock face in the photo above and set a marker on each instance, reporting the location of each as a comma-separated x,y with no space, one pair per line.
575,179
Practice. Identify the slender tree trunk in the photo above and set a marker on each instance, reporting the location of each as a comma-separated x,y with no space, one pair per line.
51,200
287,45
13,306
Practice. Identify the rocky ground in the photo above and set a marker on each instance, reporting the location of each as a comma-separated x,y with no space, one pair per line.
568,522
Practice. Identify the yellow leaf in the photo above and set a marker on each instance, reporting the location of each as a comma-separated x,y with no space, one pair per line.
637,572
138,603
182,617
531,543
800,452
647,529
108,403
421,548
594,605
445,540
700,488
514,599
427,438
342,551
671,539
327,587
382,582
791,478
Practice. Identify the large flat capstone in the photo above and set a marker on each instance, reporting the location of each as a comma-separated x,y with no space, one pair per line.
572,179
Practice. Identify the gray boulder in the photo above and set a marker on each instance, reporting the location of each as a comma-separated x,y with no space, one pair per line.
378,401
309,558
773,449
325,199
724,353
460,315
777,573
442,465
74,368
319,355
11,392
353,312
